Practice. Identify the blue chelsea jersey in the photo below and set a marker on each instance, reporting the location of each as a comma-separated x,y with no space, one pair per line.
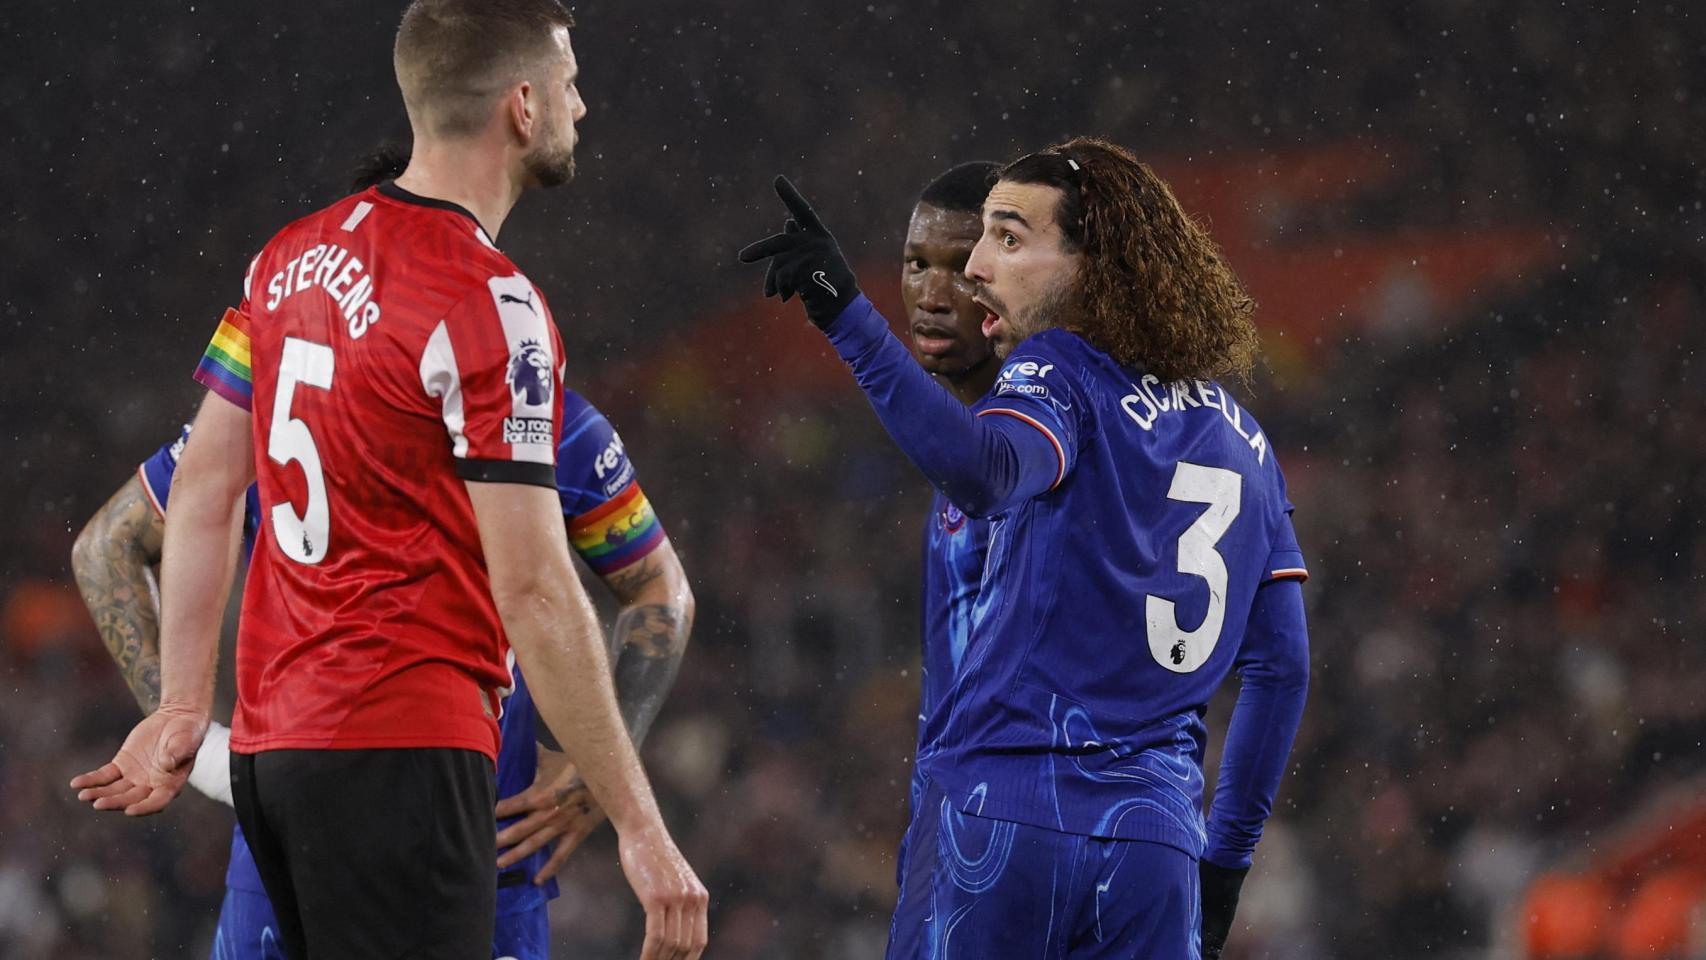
954,549
1113,605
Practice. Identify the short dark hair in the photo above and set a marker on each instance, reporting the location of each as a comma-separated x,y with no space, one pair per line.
453,56
384,162
962,187
1154,290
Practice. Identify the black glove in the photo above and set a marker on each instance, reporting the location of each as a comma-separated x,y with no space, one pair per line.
1220,888
804,260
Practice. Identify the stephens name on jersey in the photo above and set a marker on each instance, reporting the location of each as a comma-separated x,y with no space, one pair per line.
392,354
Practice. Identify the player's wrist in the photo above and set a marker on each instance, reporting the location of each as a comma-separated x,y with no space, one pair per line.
1223,880
188,708
831,292
632,812
857,329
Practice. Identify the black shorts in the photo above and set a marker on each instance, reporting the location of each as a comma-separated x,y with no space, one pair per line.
374,853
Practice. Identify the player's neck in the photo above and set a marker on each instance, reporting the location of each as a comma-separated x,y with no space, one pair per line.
479,180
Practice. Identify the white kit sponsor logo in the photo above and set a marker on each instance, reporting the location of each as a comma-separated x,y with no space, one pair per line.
1016,379
612,466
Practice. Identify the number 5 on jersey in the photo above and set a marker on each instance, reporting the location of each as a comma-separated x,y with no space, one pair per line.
1174,647
303,538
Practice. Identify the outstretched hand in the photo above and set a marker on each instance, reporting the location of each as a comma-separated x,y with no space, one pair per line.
804,259
150,768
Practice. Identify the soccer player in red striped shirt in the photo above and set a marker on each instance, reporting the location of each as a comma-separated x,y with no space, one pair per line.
391,380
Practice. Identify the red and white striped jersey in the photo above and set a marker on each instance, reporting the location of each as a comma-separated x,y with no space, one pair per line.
388,353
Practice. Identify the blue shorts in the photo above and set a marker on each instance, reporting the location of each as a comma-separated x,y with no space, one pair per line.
524,935
978,887
249,931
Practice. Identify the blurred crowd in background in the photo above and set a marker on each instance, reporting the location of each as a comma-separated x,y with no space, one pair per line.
1475,233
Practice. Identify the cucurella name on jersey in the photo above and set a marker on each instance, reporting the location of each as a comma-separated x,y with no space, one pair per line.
1144,404
1175,397
1122,572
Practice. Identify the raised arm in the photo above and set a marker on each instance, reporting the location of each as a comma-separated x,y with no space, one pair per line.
983,464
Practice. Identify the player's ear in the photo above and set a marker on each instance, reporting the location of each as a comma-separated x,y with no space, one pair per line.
521,107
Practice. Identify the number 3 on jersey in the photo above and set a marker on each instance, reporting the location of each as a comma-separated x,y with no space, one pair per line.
303,538
1174,647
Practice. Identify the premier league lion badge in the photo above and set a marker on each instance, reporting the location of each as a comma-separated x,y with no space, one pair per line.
529,375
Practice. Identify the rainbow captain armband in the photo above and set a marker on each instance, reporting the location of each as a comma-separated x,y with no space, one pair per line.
618,532
224,367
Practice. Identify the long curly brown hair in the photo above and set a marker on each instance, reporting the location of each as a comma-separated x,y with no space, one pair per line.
1153,291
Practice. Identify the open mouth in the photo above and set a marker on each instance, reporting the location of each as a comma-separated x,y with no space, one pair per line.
991,319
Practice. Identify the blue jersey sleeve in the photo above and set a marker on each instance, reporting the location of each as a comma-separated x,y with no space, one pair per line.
1036,387
1286,559
1273,664
982,464
592,464
156,471
156,474
611,523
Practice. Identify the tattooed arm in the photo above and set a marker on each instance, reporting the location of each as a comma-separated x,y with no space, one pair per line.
650,635
112,560
647,643
649,638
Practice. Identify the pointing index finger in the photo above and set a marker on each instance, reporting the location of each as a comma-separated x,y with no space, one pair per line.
768,247
797,205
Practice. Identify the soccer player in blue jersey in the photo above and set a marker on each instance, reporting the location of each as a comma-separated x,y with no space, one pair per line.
946,329
1141,550
545,811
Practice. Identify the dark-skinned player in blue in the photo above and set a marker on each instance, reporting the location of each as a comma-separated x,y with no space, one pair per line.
945,327
1141,550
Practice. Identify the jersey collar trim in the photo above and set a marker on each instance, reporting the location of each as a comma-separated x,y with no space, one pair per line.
390,189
